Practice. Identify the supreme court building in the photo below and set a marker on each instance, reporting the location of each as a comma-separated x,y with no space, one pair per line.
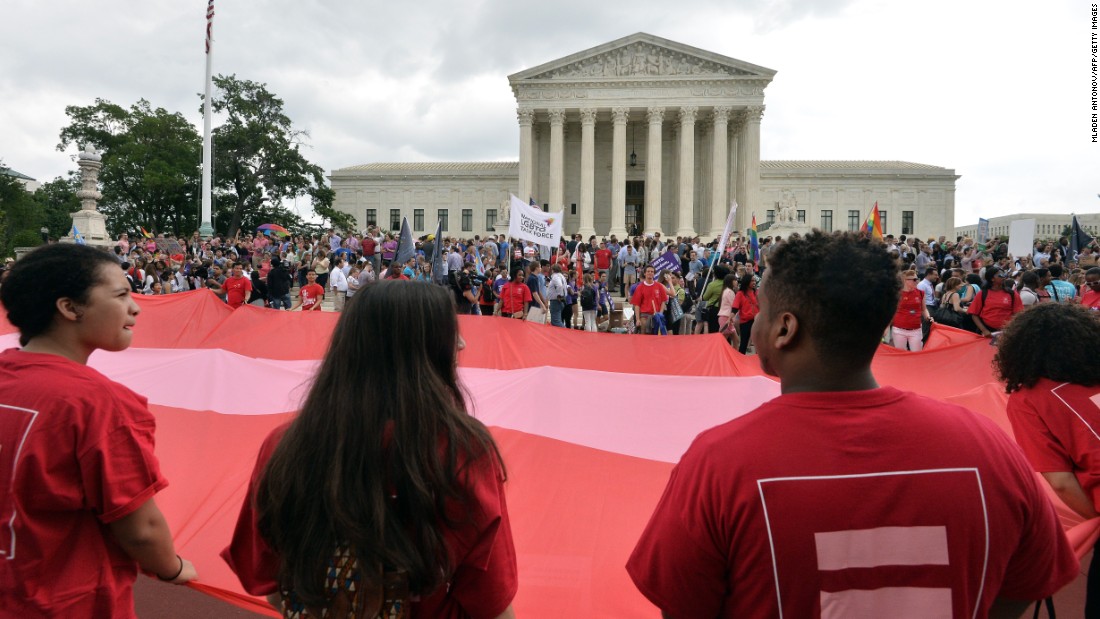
646,134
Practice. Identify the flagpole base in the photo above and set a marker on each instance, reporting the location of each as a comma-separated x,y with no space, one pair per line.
206,230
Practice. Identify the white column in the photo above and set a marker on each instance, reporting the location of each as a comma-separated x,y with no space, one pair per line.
557,144
526,118
655,116
719,206
588,173
618,172
749,164
687,171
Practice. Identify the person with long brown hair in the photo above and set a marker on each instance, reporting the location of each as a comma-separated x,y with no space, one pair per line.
382,475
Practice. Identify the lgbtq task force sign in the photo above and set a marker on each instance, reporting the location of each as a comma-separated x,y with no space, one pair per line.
532,224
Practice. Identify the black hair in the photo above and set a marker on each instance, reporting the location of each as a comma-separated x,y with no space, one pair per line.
1030,279
973,278
843,287
1056,271
1050,340
380,468
745,282
729,280
49,273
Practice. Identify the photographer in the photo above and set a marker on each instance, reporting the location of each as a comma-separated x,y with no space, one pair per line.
465,290
996,303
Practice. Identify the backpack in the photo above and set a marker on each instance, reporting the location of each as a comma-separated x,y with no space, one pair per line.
588,298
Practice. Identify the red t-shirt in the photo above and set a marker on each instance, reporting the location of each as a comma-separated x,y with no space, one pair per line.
1056,425
236,290
369,246
999,306
746,305
909,310
76,453
603,259
1090,298
649,297
856,504
513,296
311,297
482,585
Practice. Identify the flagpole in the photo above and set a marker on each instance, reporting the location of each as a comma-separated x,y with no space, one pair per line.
206,230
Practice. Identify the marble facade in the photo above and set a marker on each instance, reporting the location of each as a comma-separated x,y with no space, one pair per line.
640,133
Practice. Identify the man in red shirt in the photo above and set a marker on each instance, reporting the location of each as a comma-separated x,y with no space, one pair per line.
649,298
310,295
237,287
840,498
603,259
1090,291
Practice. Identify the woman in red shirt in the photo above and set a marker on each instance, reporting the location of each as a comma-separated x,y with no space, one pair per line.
387,498
746,307
515,297
906,326
77,448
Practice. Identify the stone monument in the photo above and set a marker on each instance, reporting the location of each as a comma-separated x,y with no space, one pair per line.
88,221
786,218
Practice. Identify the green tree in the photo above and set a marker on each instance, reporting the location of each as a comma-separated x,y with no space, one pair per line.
19,217
258,163
57,202
151,160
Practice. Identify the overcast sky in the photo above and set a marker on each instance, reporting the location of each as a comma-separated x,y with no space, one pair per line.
1000,92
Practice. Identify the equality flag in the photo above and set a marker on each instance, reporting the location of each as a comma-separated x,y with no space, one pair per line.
406,248
873,224
754,241
437,256
1078,239
79,238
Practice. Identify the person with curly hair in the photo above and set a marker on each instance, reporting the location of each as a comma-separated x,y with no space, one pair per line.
768,514
1047,360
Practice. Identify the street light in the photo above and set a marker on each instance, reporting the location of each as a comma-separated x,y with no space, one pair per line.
45,234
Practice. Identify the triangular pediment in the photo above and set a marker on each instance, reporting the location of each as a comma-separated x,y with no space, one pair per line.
642,55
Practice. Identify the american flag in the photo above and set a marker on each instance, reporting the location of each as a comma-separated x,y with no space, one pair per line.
209,24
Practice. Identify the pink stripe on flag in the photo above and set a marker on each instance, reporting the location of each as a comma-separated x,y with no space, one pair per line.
838,550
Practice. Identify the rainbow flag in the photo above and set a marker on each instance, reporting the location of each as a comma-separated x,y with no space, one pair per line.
873,224
754,240
145,233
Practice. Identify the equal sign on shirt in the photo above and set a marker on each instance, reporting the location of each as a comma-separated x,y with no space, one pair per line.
899,544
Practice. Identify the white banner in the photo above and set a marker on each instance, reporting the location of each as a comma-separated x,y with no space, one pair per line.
1021,237
532,224
729,226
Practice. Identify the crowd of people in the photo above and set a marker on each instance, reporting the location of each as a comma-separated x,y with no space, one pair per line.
389,500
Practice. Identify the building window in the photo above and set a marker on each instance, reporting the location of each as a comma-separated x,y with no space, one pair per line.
490,219
826,221
418,219
467,220
771,216
907,222
573,209
443,223
372,217
853,221
395,220
546,208
882,221
801,216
